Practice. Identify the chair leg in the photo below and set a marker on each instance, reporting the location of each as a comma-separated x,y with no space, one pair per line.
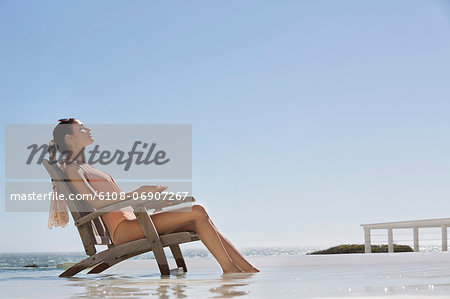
108,263
78,267
114,260
161,260
176,252
100,268
178,256
153,239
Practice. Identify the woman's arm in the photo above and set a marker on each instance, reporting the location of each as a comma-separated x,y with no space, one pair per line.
82,186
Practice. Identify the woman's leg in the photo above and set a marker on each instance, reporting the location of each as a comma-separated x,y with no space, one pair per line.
169,222
234,254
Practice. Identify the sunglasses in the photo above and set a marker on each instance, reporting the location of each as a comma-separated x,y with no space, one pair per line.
64,120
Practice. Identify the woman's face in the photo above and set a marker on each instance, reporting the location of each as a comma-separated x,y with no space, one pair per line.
81,135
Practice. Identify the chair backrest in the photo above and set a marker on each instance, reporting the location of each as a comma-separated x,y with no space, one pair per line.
92,233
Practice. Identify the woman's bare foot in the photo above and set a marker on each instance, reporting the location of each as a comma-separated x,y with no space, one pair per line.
232,269
250,270
253,270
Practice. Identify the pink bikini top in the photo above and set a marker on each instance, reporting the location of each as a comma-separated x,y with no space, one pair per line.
103,182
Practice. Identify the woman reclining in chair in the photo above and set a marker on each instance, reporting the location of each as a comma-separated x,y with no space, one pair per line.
70,135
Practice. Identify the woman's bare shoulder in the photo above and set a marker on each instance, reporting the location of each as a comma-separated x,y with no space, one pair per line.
72,170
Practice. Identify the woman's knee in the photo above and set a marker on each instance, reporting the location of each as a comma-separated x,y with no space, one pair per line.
199,212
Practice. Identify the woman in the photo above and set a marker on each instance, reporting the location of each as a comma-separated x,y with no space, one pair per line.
71,136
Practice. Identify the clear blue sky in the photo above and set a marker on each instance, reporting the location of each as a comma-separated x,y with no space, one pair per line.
309,118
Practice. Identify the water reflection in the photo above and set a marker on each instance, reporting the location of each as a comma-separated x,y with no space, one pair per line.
232,285
179,286
106,285
228,290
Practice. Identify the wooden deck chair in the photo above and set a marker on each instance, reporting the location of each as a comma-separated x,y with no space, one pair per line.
93,232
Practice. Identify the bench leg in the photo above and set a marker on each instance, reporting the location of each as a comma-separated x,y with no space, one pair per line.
78,267
153,239
178,256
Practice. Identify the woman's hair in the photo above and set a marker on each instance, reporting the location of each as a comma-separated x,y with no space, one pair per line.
58,142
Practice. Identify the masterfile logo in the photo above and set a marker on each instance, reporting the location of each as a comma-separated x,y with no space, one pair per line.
132,154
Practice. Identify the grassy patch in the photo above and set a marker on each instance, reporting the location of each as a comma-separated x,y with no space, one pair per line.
359,248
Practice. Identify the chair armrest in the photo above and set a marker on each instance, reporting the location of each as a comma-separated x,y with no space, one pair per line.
135,203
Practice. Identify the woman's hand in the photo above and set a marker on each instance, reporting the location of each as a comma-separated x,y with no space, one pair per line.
144,191
150,189
153,204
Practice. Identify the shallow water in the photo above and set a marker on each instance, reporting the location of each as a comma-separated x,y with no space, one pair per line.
283,276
